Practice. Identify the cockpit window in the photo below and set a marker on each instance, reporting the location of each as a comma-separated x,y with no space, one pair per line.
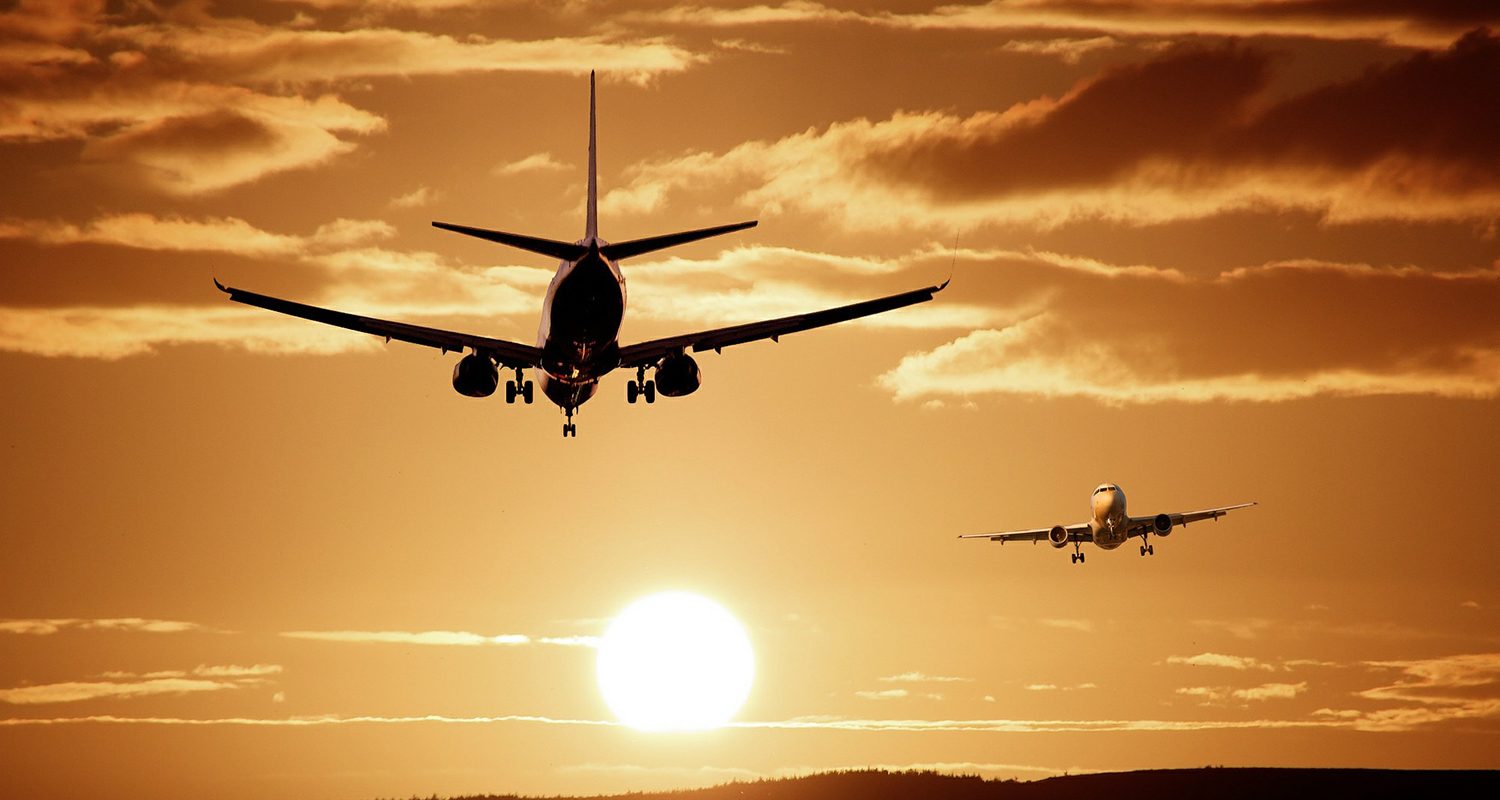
1101,489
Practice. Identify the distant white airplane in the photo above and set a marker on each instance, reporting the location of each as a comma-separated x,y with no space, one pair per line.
1109,528
577,343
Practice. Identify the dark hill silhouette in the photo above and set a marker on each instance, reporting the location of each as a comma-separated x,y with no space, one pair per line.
1219,783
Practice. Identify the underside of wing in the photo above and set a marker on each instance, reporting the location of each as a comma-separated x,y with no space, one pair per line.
1207,513
649,353
510,354
1075,533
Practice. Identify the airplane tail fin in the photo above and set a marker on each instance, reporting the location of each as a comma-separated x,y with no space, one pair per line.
591,225
635,247
570,251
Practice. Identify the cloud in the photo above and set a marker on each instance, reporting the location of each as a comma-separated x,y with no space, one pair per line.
1409,23
416,198
803,723
1220,660
441,638
210,234
191,103
1071,51
1429,692
1080,625
1271,691
921,677
49,626
1192,133
78,691
536,162
237,671
1052,687
884,694
1275,332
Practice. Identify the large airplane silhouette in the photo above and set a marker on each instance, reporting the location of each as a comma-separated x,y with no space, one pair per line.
577,343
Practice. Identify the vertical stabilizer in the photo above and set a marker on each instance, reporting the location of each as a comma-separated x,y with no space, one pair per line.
592,224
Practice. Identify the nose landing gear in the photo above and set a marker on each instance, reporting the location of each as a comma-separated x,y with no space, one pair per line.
569,429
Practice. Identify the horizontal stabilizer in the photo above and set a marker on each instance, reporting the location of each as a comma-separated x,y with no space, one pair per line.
635,247
567,251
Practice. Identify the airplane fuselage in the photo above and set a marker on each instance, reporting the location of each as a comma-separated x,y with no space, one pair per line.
580,327
1109,522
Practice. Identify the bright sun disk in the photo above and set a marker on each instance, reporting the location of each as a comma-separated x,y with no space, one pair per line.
675,661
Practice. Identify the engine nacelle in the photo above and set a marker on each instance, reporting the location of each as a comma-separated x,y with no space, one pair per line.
476,376
1161,525
678,375
1058,536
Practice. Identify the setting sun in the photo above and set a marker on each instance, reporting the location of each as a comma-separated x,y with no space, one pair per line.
675,661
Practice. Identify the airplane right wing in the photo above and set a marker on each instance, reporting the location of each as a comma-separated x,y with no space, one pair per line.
1207,513
651,352
1076,533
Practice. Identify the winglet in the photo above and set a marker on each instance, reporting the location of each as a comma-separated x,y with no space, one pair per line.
221,286
944,284
591,224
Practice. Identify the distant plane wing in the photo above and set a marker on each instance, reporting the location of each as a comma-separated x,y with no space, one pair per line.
1141,525
510,354
648,353
1076,533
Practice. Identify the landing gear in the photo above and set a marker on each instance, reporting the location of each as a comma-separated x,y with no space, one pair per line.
569,429
1148,550
1077,553
640,387
520,387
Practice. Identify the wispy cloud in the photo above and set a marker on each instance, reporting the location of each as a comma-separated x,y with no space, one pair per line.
536,162
1409,24
49,626
416,198
76,691
441,638
884,694
1067,624
208,235
922,677
1221,660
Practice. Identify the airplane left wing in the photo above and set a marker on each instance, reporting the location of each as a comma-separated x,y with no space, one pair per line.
1076,533
509,354
650,352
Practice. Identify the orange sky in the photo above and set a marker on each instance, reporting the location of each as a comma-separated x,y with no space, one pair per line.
1214,252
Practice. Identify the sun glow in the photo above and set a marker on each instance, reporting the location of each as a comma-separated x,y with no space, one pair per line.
675,661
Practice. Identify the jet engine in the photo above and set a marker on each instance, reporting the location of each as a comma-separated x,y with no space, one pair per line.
678,375
1161,525
475,375
1058,536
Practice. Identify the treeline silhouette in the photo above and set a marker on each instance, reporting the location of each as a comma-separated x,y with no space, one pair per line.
1219,783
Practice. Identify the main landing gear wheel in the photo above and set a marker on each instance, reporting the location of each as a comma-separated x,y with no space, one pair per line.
640,387
1148,550
520,387
1077,553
